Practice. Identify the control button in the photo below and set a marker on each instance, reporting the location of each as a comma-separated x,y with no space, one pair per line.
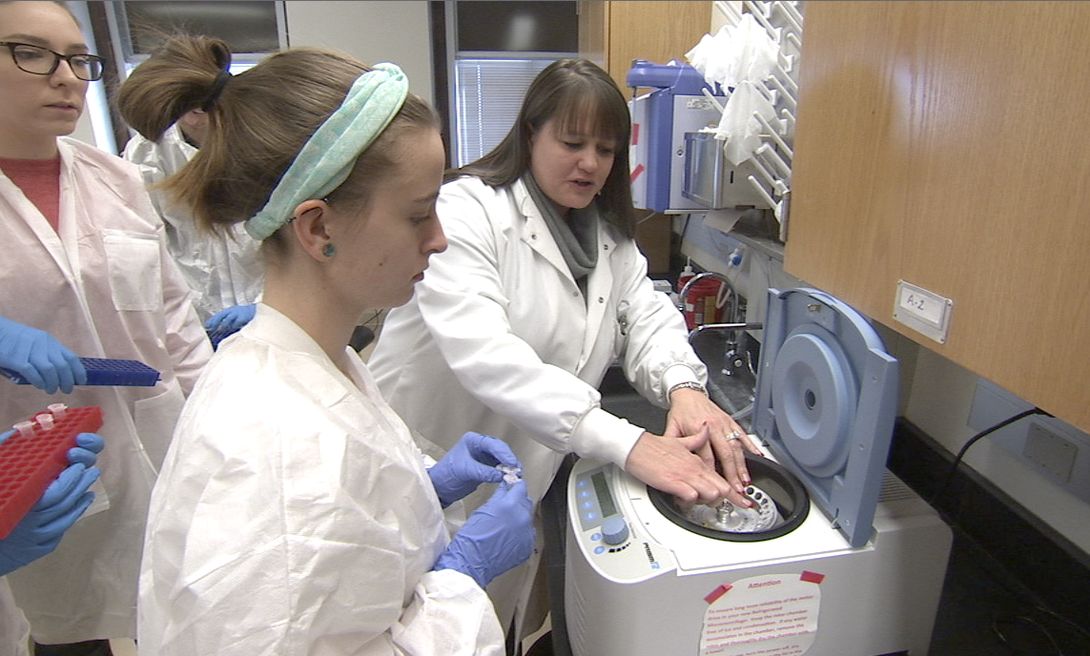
614,530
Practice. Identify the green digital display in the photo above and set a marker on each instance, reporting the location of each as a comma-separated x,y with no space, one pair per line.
605,499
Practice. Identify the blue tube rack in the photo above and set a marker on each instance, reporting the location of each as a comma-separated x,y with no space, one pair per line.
104,371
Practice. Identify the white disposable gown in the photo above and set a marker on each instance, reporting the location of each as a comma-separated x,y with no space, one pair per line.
499,339
223,270
294,516
105,287
14,629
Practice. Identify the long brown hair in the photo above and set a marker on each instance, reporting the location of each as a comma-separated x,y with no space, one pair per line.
570,91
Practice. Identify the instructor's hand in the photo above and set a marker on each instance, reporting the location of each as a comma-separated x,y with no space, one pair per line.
670,464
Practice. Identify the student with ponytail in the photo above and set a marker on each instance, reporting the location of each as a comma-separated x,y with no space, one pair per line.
294,513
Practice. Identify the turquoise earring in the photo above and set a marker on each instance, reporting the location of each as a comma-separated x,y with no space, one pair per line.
329,250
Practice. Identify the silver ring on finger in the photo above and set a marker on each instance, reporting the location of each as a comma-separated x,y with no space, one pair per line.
736,435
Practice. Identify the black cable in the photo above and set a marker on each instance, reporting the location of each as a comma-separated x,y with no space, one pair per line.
375,314
1070,625
685,226
1032,604
1002,624
973,440
1014,620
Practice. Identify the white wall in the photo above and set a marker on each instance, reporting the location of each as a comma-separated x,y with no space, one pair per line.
93,126
939,401
373,32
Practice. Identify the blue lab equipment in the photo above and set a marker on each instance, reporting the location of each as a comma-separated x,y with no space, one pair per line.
660,119
103,371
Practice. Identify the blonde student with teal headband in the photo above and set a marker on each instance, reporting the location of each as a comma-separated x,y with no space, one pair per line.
294,513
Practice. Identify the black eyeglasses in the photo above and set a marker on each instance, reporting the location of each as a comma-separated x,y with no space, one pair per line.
43,61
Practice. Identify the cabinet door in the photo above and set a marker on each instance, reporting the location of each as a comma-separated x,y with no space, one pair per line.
944,144
615,33
612,34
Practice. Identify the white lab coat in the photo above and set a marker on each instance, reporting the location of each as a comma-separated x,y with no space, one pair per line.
14,629
499,339
294,516
223,270
105,287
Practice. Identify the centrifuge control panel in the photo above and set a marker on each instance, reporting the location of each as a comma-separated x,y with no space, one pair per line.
613,543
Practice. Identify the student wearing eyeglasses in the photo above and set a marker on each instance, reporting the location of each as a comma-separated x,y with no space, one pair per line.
85,274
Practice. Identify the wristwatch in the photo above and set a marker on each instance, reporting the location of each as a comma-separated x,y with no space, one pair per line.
689,384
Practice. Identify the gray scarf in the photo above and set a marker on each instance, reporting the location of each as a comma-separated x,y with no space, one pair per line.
577,237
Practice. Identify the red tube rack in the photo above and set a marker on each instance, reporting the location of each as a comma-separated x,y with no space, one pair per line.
32,457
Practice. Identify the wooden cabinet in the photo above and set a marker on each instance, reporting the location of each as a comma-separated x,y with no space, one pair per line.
945,144
612,34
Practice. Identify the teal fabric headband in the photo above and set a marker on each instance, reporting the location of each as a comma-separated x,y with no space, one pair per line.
327,157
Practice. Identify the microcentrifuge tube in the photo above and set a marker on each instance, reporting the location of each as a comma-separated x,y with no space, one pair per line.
25,428
511,475
58,409
45,420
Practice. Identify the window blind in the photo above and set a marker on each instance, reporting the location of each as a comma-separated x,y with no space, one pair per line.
489,94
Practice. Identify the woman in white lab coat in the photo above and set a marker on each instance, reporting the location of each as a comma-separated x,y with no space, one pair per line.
294,513
541,289
223,271
85,274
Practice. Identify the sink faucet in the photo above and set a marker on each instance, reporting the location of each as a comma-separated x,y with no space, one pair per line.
734,320
733,306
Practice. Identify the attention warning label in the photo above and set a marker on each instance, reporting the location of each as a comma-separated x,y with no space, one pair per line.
770,615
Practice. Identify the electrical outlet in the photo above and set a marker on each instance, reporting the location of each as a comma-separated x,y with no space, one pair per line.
1050,452
993,404
1056,450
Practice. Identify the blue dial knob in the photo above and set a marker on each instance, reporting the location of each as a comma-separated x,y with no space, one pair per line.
614,530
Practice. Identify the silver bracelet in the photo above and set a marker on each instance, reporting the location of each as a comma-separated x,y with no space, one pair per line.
687,385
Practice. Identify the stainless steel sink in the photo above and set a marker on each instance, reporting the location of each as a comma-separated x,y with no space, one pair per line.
731,381
731,356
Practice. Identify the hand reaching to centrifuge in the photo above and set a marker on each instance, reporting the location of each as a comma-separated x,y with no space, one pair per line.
671,464
691,410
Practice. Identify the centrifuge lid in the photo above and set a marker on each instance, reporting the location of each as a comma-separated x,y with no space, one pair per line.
825,404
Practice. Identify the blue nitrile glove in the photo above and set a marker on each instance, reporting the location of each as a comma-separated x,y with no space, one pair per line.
497,536
88,446
231,319
35,355
41,530
471,462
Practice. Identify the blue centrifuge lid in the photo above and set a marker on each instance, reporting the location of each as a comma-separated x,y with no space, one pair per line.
826,401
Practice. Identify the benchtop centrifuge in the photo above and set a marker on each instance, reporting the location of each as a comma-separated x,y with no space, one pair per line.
838,557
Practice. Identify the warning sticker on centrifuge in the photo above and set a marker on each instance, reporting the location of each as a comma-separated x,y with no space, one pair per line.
771,615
